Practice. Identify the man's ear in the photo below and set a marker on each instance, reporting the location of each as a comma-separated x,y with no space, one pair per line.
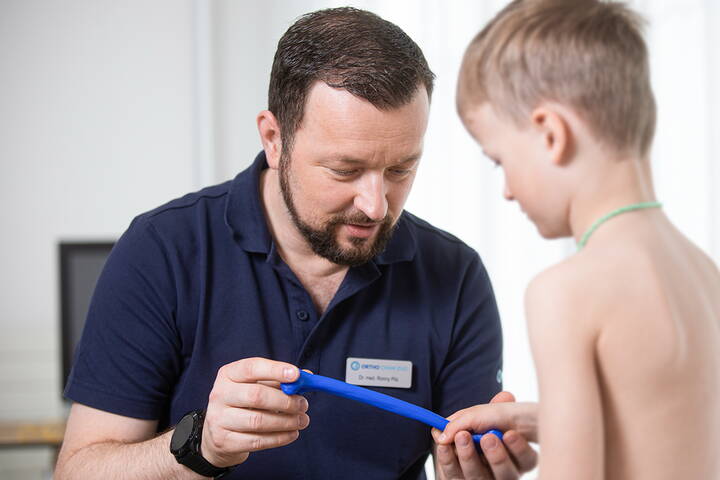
269,130
556,133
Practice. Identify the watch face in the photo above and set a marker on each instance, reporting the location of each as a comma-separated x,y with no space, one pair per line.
182,432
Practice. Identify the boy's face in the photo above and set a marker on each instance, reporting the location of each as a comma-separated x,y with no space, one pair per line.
529,174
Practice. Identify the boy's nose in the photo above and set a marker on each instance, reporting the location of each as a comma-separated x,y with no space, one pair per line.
507,193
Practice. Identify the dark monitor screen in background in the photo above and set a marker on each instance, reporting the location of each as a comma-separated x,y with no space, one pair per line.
80,267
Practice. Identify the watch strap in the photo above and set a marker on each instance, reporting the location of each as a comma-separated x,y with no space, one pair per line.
197,463
191,456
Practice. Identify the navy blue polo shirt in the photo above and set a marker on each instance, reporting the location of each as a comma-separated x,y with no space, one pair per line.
198,283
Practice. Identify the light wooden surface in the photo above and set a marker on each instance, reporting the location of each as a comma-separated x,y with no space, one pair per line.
31,433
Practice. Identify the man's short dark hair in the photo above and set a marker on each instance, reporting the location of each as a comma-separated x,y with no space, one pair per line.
346,48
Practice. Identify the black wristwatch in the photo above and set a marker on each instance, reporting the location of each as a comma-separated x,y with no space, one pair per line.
185,445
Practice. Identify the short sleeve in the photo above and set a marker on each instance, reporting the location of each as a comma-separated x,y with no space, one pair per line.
128,359
472,371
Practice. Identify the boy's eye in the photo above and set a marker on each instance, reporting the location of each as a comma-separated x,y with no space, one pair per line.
494,160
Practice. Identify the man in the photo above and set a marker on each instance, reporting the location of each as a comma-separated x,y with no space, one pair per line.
306,259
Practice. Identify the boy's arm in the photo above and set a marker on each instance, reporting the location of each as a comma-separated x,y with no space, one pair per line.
563,337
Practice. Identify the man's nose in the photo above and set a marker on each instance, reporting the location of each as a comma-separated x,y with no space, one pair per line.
371,197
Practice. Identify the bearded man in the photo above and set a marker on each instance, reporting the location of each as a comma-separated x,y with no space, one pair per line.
304,260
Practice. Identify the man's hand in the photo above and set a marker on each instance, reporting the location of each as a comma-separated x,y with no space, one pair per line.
248,412
456,457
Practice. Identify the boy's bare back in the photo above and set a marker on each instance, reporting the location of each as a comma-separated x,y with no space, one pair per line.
626,332
640,353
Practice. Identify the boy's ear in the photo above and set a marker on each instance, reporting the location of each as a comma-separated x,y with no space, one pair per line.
269,130
555,131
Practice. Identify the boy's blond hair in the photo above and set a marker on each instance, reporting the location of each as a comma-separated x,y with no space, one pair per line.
587,54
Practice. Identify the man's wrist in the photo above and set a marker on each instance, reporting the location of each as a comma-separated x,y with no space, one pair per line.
185,445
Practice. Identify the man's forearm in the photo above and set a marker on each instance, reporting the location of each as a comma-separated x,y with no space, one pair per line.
148,460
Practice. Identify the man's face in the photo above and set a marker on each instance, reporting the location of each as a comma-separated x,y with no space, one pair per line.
350,171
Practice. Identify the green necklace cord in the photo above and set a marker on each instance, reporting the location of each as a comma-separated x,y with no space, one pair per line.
614,213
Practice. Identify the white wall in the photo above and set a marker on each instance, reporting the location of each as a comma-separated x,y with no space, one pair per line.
95,127
110,108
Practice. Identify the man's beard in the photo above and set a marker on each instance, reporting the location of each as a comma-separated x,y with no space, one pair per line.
323,241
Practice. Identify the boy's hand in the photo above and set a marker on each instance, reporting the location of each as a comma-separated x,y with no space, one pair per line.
456,457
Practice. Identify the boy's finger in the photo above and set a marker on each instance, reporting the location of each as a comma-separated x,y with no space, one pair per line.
503,397
478,419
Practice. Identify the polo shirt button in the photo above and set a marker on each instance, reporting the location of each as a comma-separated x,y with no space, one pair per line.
302,315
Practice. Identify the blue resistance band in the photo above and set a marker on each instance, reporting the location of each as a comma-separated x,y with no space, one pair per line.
317,383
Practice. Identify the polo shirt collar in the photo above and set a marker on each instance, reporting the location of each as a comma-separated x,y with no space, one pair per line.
245,216
244,212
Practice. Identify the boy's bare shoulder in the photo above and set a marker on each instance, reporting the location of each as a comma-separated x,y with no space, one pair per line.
557,296
578,291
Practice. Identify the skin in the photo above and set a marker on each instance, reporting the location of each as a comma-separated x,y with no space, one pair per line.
456,456
626,333
103,445
349,158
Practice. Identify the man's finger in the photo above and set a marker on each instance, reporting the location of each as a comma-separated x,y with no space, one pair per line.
526,458
250,370
472,466
270,383
252,442
447,463
498,459
247,420
262,397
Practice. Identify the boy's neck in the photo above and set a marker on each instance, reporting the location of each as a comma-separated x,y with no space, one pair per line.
609,184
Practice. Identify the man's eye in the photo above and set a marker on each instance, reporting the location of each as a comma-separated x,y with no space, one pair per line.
343,173
400,171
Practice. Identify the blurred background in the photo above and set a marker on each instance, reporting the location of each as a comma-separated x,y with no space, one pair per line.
109,108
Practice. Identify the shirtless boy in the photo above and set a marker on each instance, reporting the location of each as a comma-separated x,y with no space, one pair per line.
626,332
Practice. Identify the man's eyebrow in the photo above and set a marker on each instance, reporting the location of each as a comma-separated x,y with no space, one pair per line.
348,160
357,161
412,158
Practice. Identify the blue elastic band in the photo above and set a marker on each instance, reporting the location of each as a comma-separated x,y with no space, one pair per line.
310,383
